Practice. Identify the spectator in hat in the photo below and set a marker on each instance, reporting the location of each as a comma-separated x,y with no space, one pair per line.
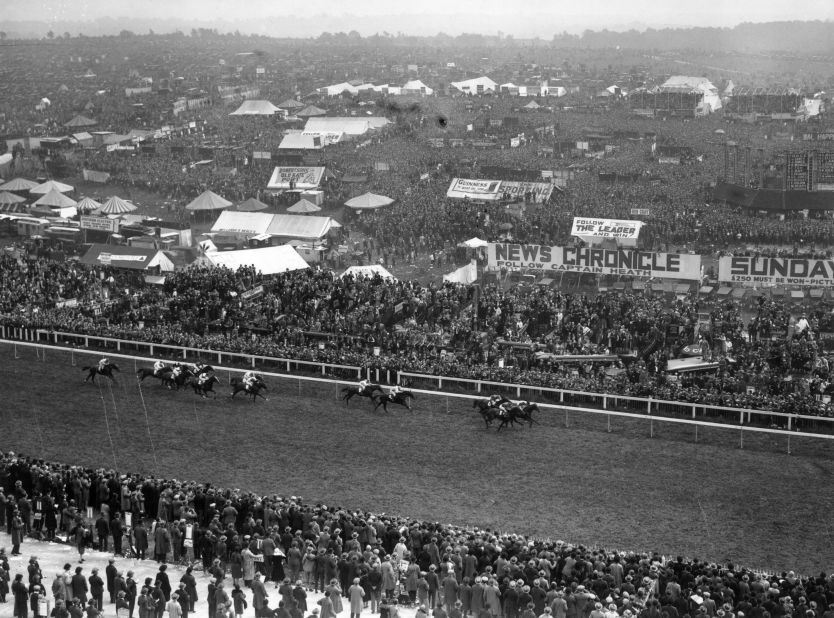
356,595
190,587
259,594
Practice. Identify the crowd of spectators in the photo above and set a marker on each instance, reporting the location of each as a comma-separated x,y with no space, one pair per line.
346,557
490,332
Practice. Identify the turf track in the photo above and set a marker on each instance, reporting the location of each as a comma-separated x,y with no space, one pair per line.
620,490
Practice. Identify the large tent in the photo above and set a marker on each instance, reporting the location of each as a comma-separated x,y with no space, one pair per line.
303,206
18,184
10,198
80,121
311,110
267,260
117,206
256,108
369,270
291,105
251,205
56,199
49,186
368,201
87,204
208,200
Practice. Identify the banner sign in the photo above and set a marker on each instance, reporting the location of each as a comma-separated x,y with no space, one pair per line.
640,212
260,154
101,224
72,302
107,258
785,271
541,190
253,292
296,178
605,228
481,190
629,262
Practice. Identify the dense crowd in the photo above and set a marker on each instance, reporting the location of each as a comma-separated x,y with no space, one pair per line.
491,332
361,560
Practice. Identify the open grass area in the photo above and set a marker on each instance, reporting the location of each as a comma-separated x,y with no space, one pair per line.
622,489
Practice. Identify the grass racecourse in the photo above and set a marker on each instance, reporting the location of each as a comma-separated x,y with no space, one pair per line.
618,489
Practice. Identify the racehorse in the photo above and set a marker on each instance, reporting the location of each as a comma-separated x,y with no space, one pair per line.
488,413
348,392
106,371
144,372
519,414
206,387
176,381
254,390
402,398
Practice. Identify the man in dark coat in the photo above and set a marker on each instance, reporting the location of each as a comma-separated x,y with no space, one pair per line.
140,539
102,532
97,589
130,587
110,573
79,586
117,530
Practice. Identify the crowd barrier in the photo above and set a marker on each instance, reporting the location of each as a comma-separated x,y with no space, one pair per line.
653,410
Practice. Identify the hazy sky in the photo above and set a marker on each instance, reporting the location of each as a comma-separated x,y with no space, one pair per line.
597,14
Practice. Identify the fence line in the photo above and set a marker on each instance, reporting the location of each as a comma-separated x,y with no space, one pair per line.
590,400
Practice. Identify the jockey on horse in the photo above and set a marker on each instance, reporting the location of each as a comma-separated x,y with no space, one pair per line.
103,364
251,379
203,376
177,372
158,367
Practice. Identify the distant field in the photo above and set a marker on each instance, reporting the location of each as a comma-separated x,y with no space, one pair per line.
623,490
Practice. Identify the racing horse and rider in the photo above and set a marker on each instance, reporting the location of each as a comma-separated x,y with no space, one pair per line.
251,384
104,368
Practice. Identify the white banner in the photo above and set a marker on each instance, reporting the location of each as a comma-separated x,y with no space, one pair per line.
481,190
102,224
541,190
605,228
296,177
629,262
465,274
777,271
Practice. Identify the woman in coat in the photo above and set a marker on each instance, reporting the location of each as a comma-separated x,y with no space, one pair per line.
21,597
334,591
412,575
164,582
389,578
248,566
190,587
162,542
145,604
17,533
357,598
236,567
326,607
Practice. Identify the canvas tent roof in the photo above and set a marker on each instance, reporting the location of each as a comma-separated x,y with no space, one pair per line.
18,184
242,222
55,199
345,124
369,270
475,243
255,108
117,206
50,185
123,256
208,200
251,205
267,260
10,198
290,104
368,201
685,83
81,121
297,141
303,206
301,227
311,110
87,204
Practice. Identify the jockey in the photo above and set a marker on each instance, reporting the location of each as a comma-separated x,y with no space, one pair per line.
177,370
395,390
158,366
363,384
504,408
204,377
250,378
494,400
103,363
